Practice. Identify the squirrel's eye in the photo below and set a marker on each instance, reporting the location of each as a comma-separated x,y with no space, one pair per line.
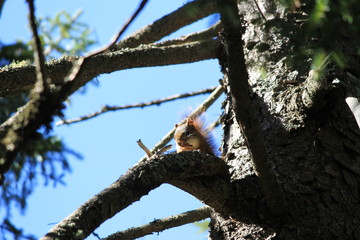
186,132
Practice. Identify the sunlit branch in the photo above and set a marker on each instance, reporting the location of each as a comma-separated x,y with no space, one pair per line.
213,125
143,147
159,225
18,79
209,33
187,14
138,105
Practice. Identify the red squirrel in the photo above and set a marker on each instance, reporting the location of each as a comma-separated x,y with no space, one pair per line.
192,135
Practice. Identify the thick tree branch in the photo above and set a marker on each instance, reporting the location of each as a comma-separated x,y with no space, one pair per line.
159,225
137,182
16,80
138,105
237,77
211,191
239,200
187,14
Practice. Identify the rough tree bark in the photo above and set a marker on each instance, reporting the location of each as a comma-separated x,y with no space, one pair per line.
309,132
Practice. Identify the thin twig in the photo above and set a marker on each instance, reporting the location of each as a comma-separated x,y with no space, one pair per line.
116,37
163,149
211,32
138,105
160,225
200,109
143,147
213,125
151,154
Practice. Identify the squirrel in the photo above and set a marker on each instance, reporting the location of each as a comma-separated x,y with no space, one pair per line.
192,135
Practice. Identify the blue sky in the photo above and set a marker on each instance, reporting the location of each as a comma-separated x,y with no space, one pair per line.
108,142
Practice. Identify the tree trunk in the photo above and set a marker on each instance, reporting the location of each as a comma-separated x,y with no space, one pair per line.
309,132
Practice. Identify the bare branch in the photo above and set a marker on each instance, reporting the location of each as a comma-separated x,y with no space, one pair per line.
237,78
15,80
209,33
163,149
159,225
134,184
201,108
138,105
149,153
187,14
143,147
213,125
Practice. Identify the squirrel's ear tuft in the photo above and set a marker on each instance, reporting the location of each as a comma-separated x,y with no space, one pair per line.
189,121
176,125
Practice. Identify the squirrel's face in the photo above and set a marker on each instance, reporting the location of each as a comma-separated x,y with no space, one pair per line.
186,137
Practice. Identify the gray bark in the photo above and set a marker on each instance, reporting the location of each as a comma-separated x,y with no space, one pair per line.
310,134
